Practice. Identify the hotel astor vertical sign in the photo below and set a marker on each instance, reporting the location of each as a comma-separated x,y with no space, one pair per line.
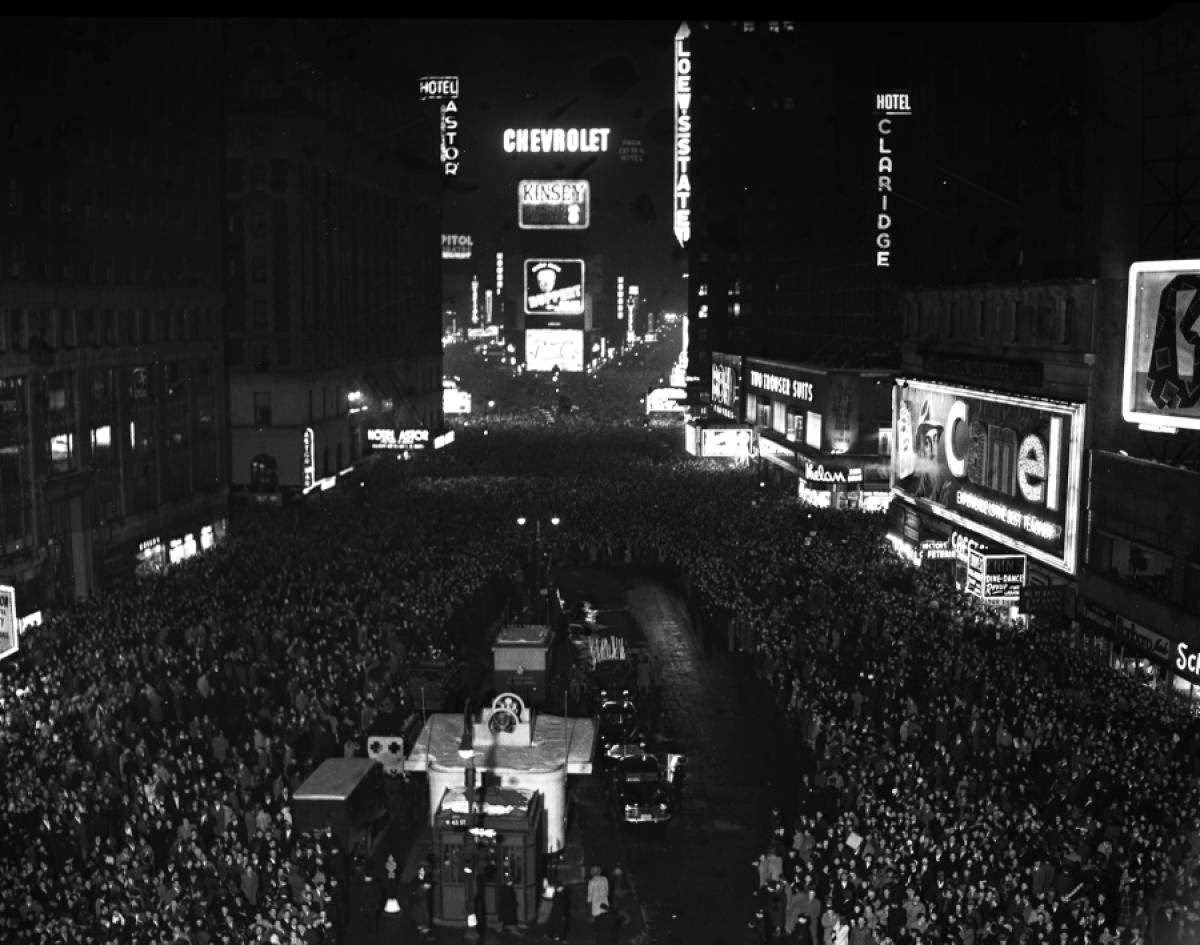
888,105
444,89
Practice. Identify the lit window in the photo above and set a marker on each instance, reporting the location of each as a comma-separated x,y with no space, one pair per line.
61,449
101,438
812,431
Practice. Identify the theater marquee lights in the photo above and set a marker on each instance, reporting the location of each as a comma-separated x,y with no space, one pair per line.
456,246
555,140
1161,381
683,134
888,105
1004,466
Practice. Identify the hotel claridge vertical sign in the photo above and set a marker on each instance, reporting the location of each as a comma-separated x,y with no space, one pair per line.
683,135
888,105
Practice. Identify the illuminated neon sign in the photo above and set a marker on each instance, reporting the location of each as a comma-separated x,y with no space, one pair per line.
890,105
555,140
444,89
388,439
553,204
456,246
309,456
437,87
683,135
1161,382
1006,466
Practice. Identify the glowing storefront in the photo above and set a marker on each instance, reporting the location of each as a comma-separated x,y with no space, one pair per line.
825,433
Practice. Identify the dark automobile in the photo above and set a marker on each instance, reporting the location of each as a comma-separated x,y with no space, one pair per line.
640,789
618,722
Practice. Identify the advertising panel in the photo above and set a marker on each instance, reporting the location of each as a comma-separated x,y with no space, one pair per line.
308,459
554,287
548,348
665,400
554,204
726,441
9,632
1005,466
682,209
996,579
1161,381
456,246
385,438
725,386
888,105
456,401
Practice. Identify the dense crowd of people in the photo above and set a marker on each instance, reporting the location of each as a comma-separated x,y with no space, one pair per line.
965,780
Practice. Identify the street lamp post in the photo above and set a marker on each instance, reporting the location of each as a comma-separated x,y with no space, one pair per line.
466,751
541,578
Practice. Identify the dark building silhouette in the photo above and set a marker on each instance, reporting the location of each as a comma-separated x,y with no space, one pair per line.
332,256
112,405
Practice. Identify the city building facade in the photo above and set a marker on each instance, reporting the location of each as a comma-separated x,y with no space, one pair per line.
112,393
332,254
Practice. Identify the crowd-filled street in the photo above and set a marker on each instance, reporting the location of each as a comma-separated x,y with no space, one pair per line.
899,766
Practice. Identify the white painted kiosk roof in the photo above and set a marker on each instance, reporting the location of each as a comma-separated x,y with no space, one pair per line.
555,739
335,779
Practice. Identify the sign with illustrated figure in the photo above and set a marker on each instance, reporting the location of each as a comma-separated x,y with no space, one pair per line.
1005,466
1161,381
554,286
9,630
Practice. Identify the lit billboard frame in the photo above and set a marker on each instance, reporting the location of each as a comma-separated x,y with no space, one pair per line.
560,267
1073,414
547,348
565,198
10,628
1157,398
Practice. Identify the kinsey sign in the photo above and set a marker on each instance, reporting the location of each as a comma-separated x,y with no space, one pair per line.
770,383
683,135
553,204
1005,466
555,140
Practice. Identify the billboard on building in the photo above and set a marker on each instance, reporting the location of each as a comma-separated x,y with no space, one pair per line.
554,287
726,385
1005,466
456,246
1161,381
9,628
550,348
553,204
